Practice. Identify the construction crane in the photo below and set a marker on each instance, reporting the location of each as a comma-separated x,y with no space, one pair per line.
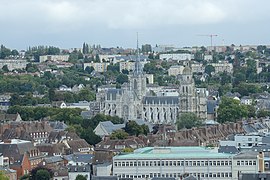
211,38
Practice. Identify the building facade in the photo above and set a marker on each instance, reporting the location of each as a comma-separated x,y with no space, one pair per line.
176,162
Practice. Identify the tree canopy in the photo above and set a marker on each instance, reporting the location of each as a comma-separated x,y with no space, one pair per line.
188,120
231,110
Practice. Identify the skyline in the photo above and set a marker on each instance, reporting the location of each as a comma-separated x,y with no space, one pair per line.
111,23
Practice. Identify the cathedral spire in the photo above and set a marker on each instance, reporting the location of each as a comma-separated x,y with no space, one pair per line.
138,67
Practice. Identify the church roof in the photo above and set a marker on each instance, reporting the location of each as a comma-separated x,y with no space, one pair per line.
161,100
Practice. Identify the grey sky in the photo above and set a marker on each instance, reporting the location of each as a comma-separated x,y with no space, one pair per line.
68,23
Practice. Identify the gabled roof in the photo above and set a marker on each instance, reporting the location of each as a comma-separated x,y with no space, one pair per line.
84,158
75,145
109,127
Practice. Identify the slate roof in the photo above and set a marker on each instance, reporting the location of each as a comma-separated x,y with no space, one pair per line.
228,149
211,105
109,127
85,158
57,125
111,93
161,100
53,159
85,168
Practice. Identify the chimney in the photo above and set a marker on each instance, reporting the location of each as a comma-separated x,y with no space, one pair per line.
261,162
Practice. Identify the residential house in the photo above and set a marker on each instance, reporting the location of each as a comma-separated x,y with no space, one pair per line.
79,159
246,100
4,102
10,117
56,137
53,162
117,145
35,131
107,128
74,171
22,155
80,146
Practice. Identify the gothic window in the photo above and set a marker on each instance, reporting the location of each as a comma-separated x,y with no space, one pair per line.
183,89
158,116
186,89
135,84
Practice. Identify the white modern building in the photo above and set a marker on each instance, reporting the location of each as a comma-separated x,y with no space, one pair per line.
13,64
174,162
53,58
99,67
243,141
176,57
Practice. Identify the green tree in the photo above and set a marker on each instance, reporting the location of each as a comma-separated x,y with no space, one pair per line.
90,137
5,68
119,134
43,174
209,69
132,128
231,110
122,78
80,177
188,120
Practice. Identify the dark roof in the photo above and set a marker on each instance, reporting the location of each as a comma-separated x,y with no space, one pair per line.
53,159
111,93
85,158
83,168
161,100
104,178
254,176
228,149
211,105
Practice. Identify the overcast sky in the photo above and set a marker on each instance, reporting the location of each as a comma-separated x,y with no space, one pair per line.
69,23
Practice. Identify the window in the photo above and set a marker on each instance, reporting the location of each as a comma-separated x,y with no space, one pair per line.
249,139
246,163
174,163
206,163
238,163
242,163
210,163
250,163
143,164
222,163
115,164
198,163
218,163
214,163
123,163
171,163
127,164
254,163
194,163
167,163
146,163
202,163
131,164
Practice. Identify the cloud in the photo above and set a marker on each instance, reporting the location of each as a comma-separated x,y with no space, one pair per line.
127,14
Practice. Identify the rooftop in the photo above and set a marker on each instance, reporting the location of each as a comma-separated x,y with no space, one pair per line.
174,153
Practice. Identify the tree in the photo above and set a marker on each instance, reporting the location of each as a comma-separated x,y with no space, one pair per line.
89,69
209,69
132,128
119,134
231,110
40,173
5,68
188,120
80,177
43,174
122,78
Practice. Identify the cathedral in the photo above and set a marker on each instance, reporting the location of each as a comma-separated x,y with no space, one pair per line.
133,102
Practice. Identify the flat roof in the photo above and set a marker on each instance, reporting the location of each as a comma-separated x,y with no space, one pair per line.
181,152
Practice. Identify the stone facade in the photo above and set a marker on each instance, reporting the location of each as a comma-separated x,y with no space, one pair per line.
131,102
